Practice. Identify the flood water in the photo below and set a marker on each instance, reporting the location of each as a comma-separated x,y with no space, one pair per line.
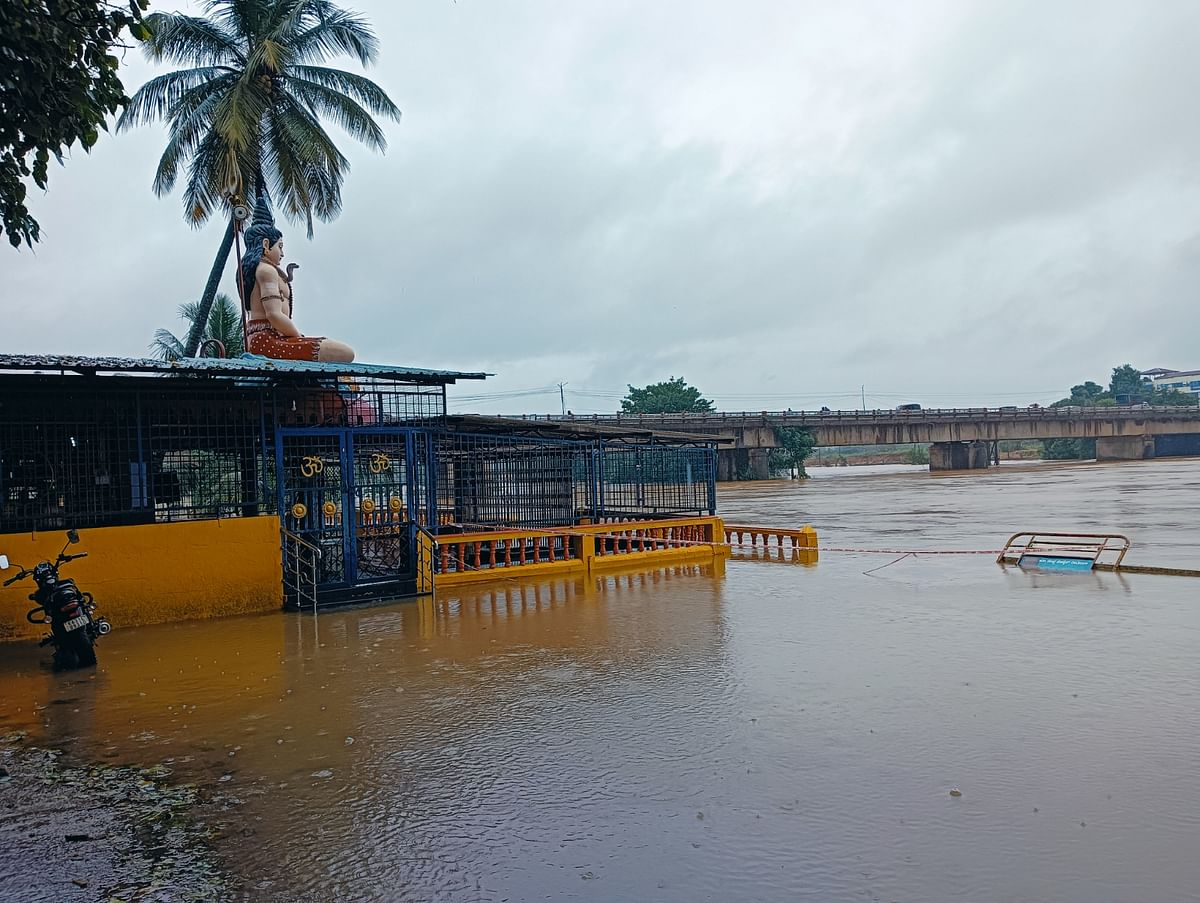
773,732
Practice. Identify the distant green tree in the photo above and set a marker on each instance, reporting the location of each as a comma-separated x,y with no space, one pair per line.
674,396
224,325
1084,392
795,445
1128,380
1125,380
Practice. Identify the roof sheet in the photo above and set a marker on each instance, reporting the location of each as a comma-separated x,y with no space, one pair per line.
575,429
247,365
1171,374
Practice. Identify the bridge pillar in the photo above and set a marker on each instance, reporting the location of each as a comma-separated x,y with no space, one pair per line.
1125,448
727,465
743,463
959,456
760,463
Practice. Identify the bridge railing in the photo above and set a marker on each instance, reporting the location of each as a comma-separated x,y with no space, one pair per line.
1100,412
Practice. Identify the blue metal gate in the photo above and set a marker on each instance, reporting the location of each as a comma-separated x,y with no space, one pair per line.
358,494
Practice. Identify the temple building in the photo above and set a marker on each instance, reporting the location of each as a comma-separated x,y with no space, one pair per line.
214,485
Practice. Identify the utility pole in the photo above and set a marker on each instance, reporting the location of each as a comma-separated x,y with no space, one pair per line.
562,399
864,396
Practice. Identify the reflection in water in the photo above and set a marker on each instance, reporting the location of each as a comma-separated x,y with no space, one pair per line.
771,733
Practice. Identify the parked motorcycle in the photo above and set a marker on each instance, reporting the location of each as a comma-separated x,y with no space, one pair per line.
65,608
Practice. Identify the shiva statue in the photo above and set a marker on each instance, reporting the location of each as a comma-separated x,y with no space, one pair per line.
267,294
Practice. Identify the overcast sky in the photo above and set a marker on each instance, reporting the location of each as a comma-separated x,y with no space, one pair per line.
947,202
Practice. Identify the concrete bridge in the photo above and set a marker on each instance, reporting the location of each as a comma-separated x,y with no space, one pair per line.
959,438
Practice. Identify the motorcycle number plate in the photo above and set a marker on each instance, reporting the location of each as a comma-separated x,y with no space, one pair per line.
74,623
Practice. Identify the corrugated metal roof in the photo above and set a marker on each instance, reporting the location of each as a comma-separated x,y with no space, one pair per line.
575,429
1171,374
249,365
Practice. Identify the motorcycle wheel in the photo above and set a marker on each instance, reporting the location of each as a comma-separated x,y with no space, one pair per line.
78,649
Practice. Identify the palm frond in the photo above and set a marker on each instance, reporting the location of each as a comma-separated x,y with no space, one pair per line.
346,112
188,126
188,311
362,89
238,118
178,38
291,17
159,97
239,17
306,166
166,345
338,32
225,325
208,173
252,106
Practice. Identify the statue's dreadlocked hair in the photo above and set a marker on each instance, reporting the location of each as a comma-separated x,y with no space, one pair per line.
262,226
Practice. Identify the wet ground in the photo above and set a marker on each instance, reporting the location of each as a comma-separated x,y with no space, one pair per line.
775,732
98,832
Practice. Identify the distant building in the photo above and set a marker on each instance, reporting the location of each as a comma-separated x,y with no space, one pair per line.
1179,380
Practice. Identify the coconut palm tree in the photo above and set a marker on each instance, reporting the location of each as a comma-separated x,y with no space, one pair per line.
224,325
245,116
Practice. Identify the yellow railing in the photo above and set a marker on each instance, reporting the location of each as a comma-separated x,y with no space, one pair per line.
487,555
489,550
741,534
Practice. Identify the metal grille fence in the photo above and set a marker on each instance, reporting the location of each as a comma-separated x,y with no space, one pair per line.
357,402
489,480
639,480
130,451
103,451
505,481
86,452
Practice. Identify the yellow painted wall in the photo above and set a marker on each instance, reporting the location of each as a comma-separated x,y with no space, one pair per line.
155,573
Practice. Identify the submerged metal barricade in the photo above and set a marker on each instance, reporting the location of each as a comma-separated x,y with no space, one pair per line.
1065,551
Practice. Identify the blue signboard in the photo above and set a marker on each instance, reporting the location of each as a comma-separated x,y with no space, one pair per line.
1055,563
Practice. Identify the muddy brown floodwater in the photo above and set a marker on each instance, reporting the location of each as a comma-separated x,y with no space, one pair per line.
775,732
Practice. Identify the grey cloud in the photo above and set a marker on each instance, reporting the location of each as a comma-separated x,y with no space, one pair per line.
926,198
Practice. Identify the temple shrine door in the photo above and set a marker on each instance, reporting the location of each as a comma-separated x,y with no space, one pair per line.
357,494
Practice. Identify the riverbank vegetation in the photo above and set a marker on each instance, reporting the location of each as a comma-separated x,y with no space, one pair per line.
1126,385
795,445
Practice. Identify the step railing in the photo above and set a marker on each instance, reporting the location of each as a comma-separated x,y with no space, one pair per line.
300,565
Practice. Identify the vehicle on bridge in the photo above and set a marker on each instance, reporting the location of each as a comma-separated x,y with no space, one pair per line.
907,408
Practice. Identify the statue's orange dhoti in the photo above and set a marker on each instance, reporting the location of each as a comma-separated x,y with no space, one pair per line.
267,294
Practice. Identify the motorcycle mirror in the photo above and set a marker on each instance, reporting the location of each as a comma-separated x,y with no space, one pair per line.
3,562
72,536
